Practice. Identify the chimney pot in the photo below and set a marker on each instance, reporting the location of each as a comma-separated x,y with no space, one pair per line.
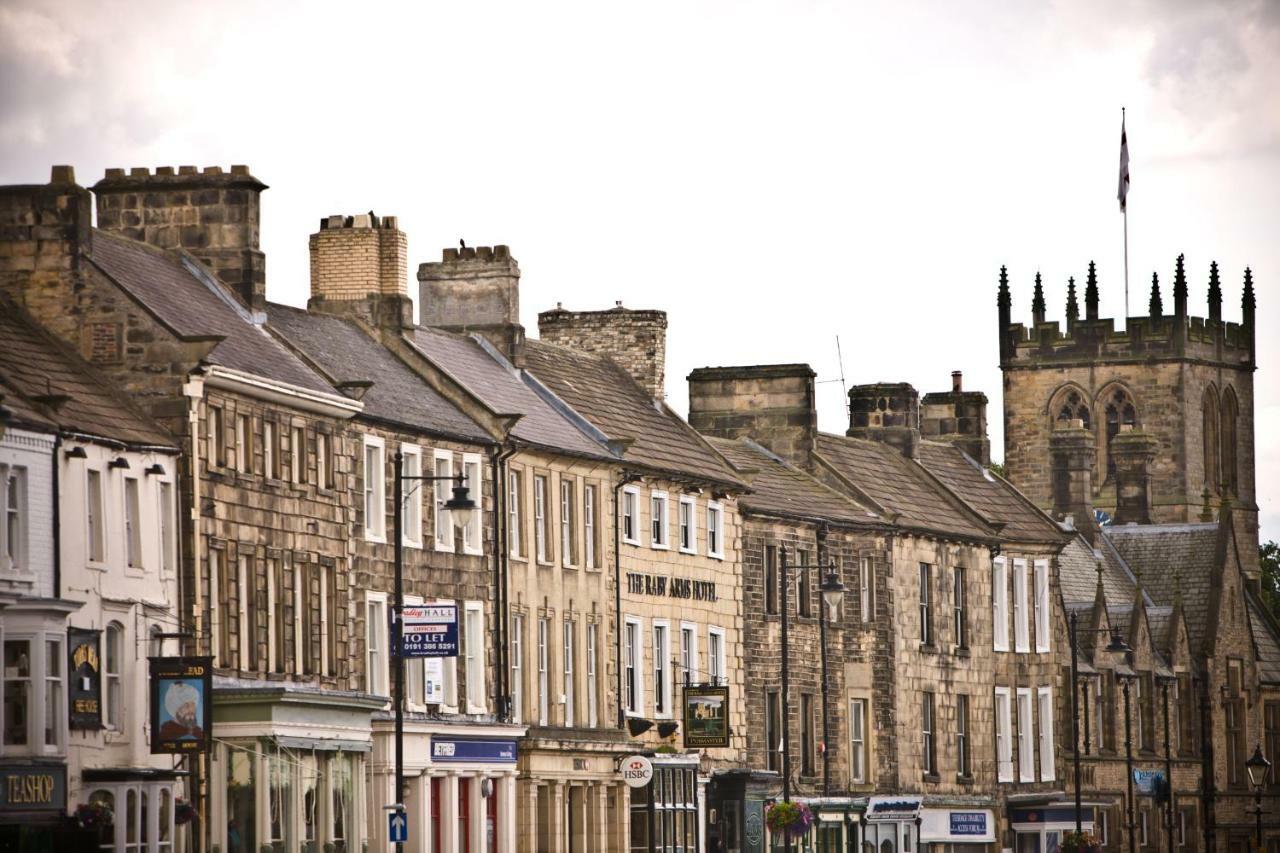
957,380
63,175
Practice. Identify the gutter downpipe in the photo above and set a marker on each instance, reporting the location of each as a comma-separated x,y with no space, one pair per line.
57,519
501,566
194,391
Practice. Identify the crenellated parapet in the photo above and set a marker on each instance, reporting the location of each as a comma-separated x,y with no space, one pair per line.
1154,336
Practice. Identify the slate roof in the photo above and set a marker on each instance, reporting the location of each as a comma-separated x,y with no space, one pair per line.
1266,639
195,306
32,365
1078,573
990,495
777,487
345,352
608,397
898,484
500,387
1163,555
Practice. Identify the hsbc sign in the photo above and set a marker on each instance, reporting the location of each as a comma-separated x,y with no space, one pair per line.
637,771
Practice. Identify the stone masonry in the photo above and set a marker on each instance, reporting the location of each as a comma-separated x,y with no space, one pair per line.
635,339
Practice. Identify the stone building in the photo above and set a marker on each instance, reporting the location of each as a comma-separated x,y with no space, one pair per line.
1186,382
1153,428
918,668
89,588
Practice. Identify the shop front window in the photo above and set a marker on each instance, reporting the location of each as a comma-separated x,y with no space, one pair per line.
341,782
280,802
241,802
17,691
309,778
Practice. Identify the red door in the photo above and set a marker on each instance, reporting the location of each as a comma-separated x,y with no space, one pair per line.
491,818
464,815
437,793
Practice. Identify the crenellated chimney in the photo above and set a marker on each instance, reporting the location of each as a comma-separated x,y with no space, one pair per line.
1071,455
359,267
1133,453
635,339
771,404
474,289
887,412
212,214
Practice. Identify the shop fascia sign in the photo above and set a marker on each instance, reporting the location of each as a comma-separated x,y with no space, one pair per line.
893,808
636,770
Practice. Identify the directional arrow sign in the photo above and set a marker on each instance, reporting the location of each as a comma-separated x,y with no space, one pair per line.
398,827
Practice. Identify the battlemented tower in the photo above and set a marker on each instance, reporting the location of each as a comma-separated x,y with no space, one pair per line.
1186,383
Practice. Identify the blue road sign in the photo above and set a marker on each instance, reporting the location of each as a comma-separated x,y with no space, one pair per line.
397,827
429,631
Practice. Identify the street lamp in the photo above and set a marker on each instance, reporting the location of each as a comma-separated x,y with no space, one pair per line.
832,594
1258,765
1125,680
460,508
1116,646
1165,681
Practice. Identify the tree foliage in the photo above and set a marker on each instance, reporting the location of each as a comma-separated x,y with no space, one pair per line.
1269,560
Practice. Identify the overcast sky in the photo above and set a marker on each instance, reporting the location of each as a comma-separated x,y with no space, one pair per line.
772,174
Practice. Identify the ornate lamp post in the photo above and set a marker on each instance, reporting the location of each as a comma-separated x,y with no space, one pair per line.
1128,754
1258,767
832,594
1165,681
1116,646
460,507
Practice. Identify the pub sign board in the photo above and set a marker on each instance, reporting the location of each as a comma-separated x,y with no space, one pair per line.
706,716
181,704
84,696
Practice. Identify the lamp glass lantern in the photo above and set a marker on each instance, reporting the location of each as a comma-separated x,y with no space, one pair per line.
1117,644
832,591
1257,766
460,506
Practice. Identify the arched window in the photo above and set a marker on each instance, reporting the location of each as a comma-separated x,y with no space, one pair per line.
1068,404
107,799
1209,434
1230,411
113,663
1120,413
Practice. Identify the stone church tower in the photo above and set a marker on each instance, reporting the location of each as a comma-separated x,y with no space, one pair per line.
1168,403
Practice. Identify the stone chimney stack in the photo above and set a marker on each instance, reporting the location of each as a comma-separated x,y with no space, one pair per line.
359,266
636,340
1133,452
1071,457
959,417
888,412
212,214
771,404
474,290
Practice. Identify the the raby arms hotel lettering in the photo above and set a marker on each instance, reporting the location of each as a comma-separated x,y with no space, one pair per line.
661,585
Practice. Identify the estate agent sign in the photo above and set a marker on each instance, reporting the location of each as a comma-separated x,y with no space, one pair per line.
706,716
429,631
84,696
181,713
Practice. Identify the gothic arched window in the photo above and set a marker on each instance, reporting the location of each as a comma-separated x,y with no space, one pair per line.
1229,412
1068,404
1120,414
1209,435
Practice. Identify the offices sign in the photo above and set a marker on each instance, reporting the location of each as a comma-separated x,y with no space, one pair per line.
429,631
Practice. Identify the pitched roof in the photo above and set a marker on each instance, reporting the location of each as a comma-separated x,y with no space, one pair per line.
347,353
777,487
1266,639
992,496
502,389
611,400
898,484
190,302
1078,573
1164,555
33,365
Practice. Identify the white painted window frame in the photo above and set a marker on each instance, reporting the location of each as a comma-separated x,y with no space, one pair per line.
515,514
1000,604
593,674
659,521
517,667
568,686
1044,701
541,527
1040,589
633,658
377,652
689,504
717,656
630,515
858,740
1021,623
715,544
1004,735
411,521
474,652
442,525
590,504
473,533
1026,736
662,681
375,489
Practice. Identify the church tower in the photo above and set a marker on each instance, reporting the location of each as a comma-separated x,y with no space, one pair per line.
1184,383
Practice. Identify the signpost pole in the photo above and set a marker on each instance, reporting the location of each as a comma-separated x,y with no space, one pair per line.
397,613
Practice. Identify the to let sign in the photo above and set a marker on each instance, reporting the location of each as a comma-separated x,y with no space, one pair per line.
429,631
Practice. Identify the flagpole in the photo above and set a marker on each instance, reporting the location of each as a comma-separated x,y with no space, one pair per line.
1125,214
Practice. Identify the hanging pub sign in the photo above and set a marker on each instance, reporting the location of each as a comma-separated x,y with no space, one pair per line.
84,694
706,716
181,713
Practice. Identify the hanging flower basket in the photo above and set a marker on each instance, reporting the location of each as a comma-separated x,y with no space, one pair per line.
183,812
1080,842
94,815
789,819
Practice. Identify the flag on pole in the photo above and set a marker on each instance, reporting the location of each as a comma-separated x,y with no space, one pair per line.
1123,192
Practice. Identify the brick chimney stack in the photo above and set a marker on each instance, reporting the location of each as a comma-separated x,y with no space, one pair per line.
636,340
959,417
474,289
1071,456
771,404
212,214
359,266
1133,453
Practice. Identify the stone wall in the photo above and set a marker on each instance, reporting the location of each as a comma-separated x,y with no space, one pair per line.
635,340
772,404
957,416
